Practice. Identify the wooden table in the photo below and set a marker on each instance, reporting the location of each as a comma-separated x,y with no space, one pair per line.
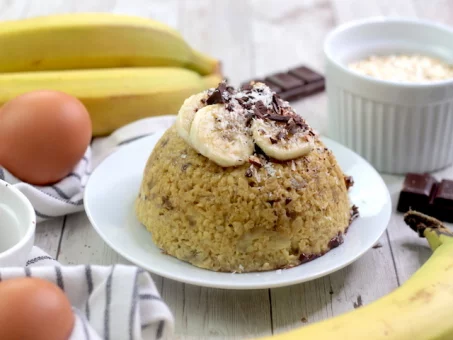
254,38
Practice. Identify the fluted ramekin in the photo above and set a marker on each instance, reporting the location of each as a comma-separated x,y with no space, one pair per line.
397,127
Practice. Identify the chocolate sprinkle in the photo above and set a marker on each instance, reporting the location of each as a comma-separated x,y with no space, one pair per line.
354,213
260,109
349,181
279,118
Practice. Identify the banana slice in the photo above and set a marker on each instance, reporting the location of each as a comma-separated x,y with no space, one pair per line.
187,112
221,135
276,143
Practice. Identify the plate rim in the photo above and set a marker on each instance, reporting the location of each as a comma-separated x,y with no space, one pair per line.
387,210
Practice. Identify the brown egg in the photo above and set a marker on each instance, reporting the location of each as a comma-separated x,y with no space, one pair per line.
34,309
43,135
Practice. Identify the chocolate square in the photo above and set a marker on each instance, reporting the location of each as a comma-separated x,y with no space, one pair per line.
303,91
443,201
285,81
306,74
416,193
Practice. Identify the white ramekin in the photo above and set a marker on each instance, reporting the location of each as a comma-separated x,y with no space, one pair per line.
397,127
17,226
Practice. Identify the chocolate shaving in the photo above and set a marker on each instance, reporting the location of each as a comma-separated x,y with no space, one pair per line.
280,135
276,104
247,87
278,118
288,200
260,109
255,161
354,213
273,140
249,172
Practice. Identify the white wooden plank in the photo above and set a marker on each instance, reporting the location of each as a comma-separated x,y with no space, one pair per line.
48,234
285,36
220,29
206,313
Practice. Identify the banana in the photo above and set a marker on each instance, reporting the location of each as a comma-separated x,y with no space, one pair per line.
95,40
187,112
114,97
277,143
420,309
221,135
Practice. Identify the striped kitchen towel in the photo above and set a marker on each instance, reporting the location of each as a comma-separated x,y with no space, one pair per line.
118,302
66,196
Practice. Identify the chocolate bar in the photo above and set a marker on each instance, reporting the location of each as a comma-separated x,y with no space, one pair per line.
294,84
423,193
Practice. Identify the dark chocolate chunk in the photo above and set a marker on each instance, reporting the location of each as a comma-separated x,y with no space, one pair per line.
285,81
416,193
349,181
279,118
260,109
273,140
303,91
304,258
336,241
288,200
306,74
354,213
217,96
443,201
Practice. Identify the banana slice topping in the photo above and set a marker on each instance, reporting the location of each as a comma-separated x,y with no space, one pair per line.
221,135
224,125
278,142
187,112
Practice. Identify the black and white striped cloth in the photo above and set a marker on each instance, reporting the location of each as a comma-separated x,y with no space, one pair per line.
66,196
116,302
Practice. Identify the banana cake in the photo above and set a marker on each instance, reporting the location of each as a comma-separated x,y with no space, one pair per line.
242,183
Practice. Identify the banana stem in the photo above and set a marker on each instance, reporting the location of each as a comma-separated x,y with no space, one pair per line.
426,226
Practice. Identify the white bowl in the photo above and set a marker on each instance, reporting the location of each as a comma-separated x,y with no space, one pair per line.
397,127
17,226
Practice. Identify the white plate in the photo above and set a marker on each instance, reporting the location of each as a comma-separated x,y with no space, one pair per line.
113,186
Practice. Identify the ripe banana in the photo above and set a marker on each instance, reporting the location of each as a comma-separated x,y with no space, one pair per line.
95,40
221,135
114,97
420,309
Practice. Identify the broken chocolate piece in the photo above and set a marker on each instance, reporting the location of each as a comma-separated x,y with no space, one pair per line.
336,241
303,91
217,96
285,80
416,193
443,201
349,181
260,109
306,74
278,118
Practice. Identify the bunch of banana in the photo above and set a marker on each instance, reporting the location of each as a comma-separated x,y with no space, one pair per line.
121,67
421,309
